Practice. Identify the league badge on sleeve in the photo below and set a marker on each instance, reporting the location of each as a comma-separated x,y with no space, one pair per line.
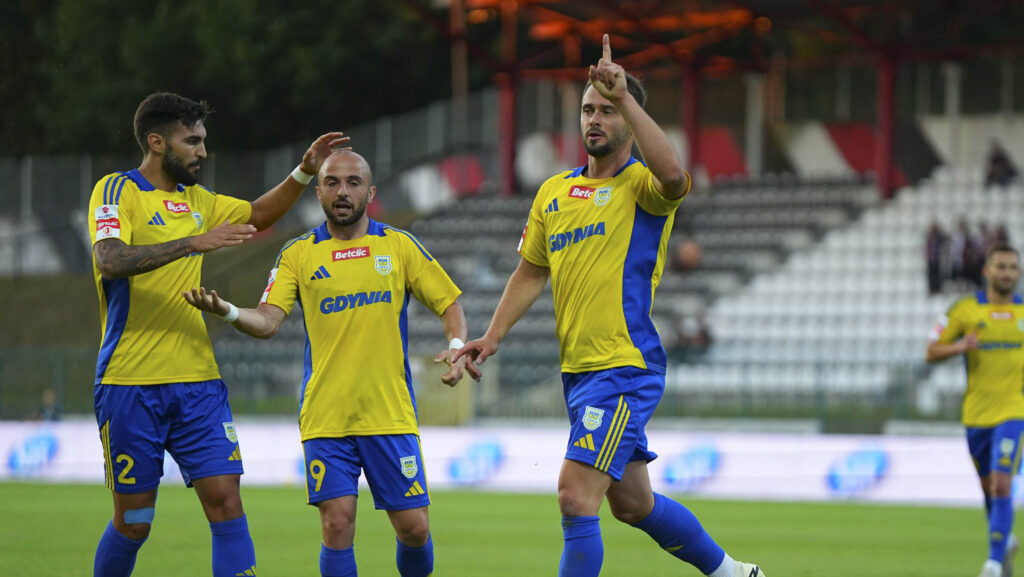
592,418
108,225
409,467
383,264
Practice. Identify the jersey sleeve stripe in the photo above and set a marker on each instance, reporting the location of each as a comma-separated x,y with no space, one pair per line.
108,187
414,241
120,187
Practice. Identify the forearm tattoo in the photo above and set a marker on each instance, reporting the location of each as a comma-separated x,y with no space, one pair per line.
117,259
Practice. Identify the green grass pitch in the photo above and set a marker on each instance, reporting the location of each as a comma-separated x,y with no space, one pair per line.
50,530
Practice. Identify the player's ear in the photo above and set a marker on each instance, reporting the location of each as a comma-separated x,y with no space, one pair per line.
373,193
156,142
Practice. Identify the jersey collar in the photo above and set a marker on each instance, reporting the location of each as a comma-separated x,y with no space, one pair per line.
982,297
577,172
144,184
321,233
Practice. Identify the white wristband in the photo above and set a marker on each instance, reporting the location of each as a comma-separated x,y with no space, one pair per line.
232,314
456,343
300,175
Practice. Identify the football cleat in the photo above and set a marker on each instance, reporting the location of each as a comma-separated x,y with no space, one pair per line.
1012,546
991,569
748,570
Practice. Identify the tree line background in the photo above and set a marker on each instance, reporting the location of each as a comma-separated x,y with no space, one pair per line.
73,71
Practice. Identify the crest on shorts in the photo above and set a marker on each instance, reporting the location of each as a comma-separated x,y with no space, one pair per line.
602,196
383,264
592,418
409,467
229,432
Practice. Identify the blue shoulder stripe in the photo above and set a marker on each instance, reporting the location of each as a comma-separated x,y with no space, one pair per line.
108,187
120,187
413,239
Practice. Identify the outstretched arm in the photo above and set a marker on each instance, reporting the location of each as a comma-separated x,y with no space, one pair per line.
522,289
261,322
115,259
269,208
454,321
609,79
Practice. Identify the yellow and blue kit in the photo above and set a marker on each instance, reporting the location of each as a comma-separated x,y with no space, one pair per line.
153,337
604,241
995,370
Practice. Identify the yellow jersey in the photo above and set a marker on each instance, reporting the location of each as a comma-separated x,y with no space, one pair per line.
355,298
604,241
151,335
995,370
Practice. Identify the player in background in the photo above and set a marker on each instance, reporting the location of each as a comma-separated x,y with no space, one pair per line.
987,329
157,385
600,233
357,412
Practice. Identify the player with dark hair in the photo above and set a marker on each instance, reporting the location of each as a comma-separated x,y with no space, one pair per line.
354,277
157,384
600,233
987,329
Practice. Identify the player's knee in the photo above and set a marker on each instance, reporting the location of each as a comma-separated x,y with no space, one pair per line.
413,535
1000,485
337,527
573,503
629,512
223,506
135,523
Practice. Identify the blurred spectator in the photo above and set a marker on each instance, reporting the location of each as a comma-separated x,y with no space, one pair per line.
974,255
959,252
687,256
935,251
1000,170
693,337
49,410
1001,236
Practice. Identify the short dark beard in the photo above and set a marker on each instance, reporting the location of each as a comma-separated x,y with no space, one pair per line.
611,144
175,168
357,213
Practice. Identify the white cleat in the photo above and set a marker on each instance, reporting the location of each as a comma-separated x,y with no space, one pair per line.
749,570
1012,546
991,569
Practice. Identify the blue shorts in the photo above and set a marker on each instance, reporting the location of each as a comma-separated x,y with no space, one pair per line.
393,465
608,412
996,448
191,421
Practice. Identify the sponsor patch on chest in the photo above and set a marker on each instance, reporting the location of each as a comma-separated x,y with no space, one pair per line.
351,253
177,207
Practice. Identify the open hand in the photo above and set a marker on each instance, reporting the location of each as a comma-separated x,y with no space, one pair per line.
322,148
206,301
454,374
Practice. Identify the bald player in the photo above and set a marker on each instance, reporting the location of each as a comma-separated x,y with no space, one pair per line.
354,277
